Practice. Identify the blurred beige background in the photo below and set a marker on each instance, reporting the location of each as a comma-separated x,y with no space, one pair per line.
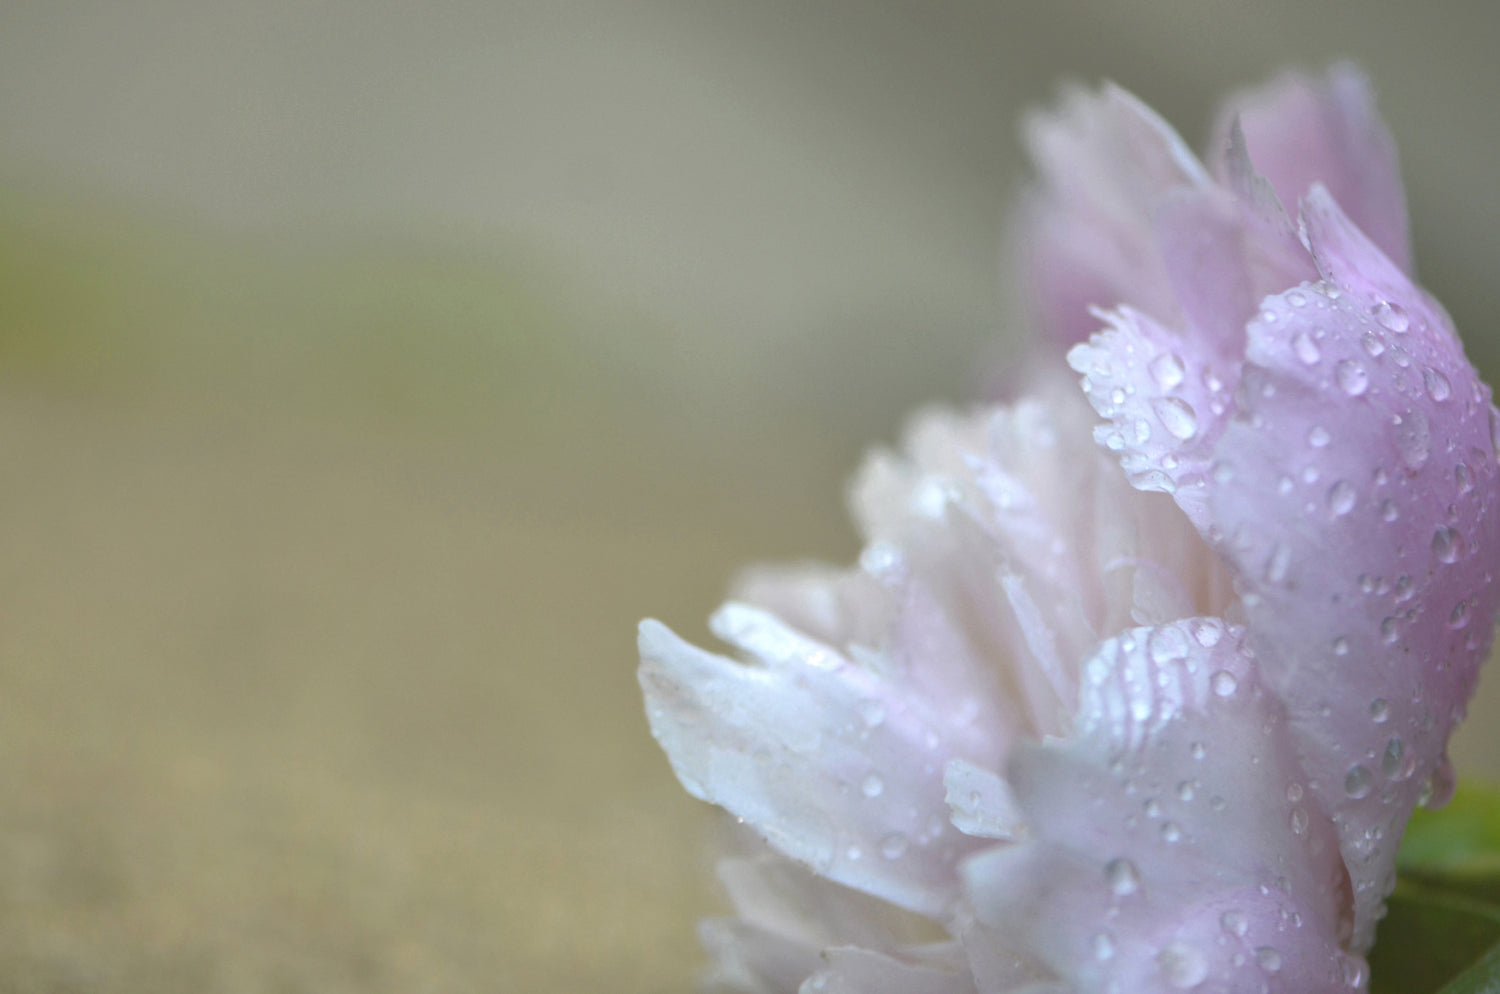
368,369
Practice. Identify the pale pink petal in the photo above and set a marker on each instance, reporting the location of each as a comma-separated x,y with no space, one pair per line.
832,763
1302,130
747,959
1084,237
939,969
1196,858
1355,496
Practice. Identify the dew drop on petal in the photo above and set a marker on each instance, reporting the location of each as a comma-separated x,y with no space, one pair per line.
1341,498
1180,420
1279,563
1463,478
1373,345
1459,617
1380,710
872,786
1353,379
1390,760
1167,370
1413,439
1299,821
1438,790
1391,316
1268,958
1198,750
1183,966
893,846
1124,879
1236,923
1104,947
1341,646
1171,831
1307,350
1438,387
1318,437
1447,544
872,712
1358,782
1224,683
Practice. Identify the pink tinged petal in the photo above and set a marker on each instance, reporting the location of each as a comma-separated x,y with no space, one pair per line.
834,764
982,803
748,959
1104,160
1355,498
786,899
939,969
1173,842
1301,130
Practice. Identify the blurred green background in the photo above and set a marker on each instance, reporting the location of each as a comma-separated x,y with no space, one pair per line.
368,369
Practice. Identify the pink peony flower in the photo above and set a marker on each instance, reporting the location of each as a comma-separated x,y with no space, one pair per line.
1143,715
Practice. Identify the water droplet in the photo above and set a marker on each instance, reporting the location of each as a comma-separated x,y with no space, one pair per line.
1447,544
1438,387
1206,632
1167,370
1299,821
1358,782
1352,376
1307,350
893,846
1341,498
1104,947
1279,563
873,786
1124,879
1373,345
1459,616
1391,316
1141,431
1197,750
1183,966
1341,646
1224,683
1352,970
1236,923
1186,789
1463,478
872,712
1171,831
1390,632
1318,437
1388,511
1438,790
1176,416
1166,645
1152,808
1390,760
1268,958
854,852
1380,710
1294,792
1413,439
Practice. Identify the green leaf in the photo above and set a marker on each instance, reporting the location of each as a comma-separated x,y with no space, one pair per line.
1442,931
1433,941
1457,849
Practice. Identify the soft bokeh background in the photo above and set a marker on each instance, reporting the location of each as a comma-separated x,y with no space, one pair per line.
368,369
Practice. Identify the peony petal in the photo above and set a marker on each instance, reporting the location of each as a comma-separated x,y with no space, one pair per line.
1302,130
1197,859
1085,236
833,764
1356,499
982,803
939,969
